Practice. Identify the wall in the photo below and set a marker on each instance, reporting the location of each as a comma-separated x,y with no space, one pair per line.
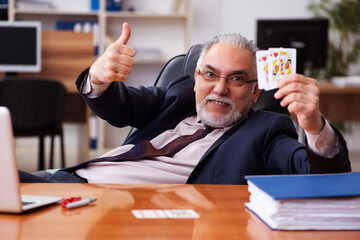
212,17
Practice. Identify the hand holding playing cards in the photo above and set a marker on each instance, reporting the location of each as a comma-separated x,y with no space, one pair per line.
301,95
116,62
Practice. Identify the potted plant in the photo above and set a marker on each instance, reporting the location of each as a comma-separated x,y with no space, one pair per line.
344,40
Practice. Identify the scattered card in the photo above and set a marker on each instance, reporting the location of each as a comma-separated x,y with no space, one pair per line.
168,213
273,64
181,213
149,213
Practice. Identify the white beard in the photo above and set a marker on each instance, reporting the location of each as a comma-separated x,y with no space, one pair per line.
214,121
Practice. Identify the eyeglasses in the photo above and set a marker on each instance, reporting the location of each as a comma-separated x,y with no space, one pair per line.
236,80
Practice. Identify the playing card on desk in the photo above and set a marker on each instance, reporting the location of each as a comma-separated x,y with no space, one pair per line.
181,213
149,213
273,64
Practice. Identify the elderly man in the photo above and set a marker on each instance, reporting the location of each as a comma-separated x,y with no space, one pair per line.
241,142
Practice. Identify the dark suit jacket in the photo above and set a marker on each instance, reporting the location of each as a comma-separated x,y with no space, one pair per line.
264,143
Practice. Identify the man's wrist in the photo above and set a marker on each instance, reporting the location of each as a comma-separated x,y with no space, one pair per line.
94,81
325,143
318,126
93,90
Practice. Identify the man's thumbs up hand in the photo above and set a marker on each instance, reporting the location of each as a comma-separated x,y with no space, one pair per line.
115,64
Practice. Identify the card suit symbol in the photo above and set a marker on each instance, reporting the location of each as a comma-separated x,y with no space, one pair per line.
276,54
264,58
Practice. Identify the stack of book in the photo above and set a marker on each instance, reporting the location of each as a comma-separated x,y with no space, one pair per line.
3,3
307,202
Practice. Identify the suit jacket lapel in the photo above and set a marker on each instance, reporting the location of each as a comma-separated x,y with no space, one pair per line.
224,137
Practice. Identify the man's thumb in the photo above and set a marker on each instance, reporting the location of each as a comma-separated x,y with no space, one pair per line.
125,34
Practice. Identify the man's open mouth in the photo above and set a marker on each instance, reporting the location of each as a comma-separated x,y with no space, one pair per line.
218,102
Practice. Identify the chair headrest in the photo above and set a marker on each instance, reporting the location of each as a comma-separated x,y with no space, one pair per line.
191,59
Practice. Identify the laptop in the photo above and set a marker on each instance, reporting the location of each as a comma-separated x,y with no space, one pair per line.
11,200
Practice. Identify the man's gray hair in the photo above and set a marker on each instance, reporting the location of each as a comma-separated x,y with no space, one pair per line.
234,39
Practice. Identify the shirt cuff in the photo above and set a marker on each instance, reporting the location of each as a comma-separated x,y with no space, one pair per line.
93,90
326,143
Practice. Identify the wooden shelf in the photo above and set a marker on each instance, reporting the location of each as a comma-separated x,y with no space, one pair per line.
108,21
121,14
125,14
54,12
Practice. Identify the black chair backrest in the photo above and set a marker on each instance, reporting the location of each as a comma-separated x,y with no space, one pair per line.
180,65
36,105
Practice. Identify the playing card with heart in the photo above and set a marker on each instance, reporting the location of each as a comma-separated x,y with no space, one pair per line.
262,68
282,63
273,64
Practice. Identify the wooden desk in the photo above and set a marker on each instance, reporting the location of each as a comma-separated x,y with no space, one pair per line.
221,209
340,104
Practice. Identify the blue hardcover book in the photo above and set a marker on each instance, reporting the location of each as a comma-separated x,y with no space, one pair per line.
306,202
114,5
94,5
309,186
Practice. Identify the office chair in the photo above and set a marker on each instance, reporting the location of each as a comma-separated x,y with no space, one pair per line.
36,107
185,64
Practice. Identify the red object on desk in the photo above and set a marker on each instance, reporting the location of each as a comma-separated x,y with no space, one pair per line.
66,201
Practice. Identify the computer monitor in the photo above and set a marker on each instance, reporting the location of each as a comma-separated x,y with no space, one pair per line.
308,36
20,47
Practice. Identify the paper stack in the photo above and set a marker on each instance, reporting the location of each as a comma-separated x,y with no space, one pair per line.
347,81
34,4
307,202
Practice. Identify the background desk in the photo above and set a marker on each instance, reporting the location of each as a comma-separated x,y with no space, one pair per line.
340,104
221,209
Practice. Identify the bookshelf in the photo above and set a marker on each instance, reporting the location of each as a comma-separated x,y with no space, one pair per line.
167,23
160,30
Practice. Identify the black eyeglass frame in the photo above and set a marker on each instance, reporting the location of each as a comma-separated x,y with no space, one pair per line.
216,77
